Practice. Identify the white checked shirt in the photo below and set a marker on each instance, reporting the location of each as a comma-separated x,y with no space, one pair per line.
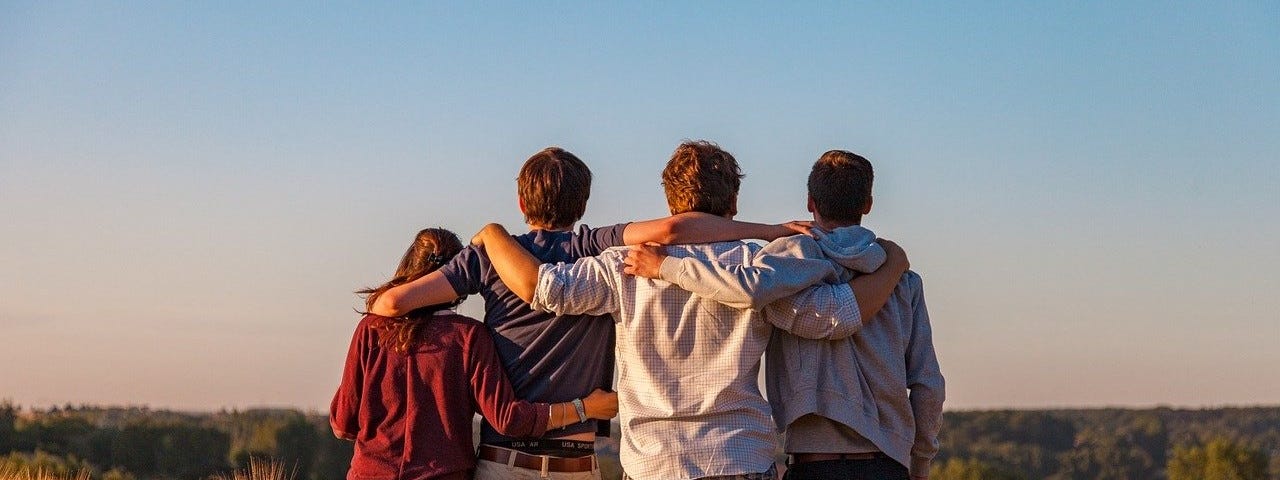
689,402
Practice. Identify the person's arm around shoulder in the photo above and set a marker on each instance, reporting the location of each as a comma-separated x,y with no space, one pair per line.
517,268
783,267
492,393
838,311
698,227
925,382
582,287
430,289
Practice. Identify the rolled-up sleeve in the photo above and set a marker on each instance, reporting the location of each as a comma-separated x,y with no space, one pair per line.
819,312
584,287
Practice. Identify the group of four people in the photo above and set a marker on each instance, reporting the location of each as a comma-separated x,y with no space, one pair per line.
852,376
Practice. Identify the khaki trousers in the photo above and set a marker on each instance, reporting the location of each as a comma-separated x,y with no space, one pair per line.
487,470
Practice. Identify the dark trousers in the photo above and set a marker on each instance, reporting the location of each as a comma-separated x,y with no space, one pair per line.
874,469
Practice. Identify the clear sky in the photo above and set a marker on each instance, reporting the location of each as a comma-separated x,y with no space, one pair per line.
190,192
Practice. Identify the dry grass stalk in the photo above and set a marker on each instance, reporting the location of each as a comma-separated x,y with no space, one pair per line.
15,473
258,470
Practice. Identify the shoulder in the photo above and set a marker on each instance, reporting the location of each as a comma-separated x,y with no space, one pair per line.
587,231
795,245
458,322
911,282
369,321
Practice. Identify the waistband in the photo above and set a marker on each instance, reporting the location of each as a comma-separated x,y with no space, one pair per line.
543,463
823,457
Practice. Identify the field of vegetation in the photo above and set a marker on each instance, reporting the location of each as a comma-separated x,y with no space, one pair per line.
1113,444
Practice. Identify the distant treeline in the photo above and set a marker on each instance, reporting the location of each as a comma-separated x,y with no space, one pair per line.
1112,444
142,444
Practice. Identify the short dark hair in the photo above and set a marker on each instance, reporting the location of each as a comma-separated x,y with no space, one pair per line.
554,186
701,177
840,185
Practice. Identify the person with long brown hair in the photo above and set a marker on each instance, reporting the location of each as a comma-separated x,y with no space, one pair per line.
412,384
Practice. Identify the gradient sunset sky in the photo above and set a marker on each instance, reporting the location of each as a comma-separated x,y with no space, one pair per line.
190,191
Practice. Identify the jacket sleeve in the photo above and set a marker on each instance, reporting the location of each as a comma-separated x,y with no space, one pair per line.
782,268
924,379
344,412
492,393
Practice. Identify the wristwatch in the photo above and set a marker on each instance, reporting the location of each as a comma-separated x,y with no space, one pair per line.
582,409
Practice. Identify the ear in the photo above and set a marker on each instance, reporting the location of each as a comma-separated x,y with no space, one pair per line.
812,206
520,201
867,209
733,207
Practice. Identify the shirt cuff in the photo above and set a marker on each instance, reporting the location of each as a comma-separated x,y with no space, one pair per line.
920,465
670,269
548,293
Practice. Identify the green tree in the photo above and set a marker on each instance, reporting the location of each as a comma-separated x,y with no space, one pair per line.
1220,459
182,451
8,426
296,445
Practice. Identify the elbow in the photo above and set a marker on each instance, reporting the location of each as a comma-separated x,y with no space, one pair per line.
389,304
510,427
669,231
525,292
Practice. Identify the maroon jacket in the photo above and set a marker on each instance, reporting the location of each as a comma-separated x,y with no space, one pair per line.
410,414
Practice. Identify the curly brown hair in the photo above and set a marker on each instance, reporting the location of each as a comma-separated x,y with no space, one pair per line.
702,177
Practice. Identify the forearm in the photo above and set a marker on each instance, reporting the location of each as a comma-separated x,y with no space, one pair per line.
874,289
697,227
600,405
820,312
517,268
430,289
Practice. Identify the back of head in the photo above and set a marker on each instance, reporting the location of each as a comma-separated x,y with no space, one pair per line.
431,249
553,186
840,186
702,177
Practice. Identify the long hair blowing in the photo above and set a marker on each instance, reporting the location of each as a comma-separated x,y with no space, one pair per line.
431,249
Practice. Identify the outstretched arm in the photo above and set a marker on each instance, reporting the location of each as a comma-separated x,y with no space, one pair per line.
517,268
775,277
698,227
431,289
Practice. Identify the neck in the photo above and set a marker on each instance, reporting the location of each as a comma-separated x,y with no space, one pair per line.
533,226
830,225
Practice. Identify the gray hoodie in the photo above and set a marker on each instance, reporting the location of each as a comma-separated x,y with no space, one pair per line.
883,382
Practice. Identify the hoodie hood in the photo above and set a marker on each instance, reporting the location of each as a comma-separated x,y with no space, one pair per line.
853,247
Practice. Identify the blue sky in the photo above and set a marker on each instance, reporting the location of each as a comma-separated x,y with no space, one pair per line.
190,192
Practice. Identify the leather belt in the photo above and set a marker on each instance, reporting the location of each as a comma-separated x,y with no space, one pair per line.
823,457
537,462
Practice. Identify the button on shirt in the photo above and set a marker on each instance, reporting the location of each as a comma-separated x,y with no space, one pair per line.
689,402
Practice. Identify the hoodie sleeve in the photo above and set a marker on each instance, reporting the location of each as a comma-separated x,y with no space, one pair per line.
782,268
924,379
